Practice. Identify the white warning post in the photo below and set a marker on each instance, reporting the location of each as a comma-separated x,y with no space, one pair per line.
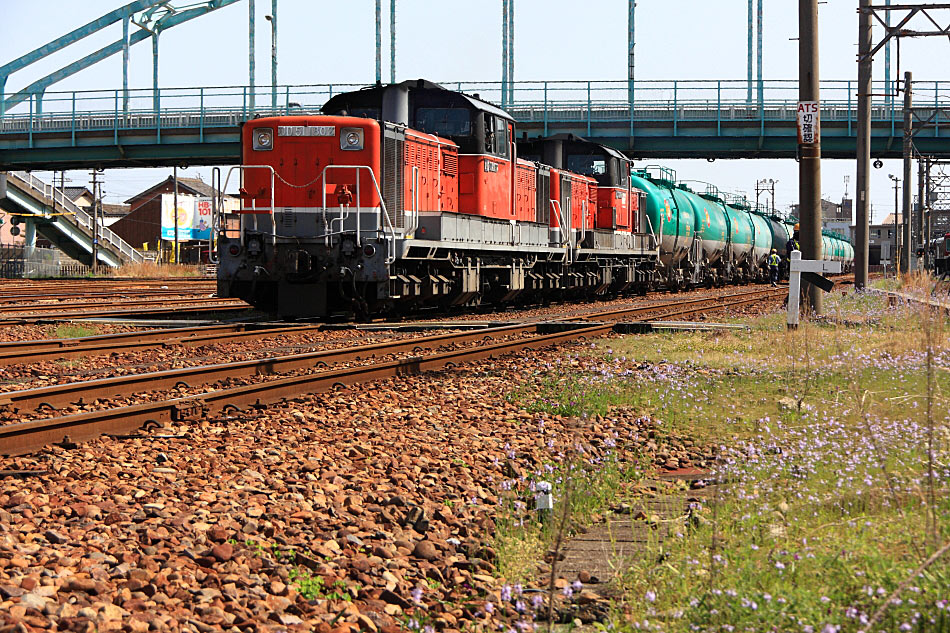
796,267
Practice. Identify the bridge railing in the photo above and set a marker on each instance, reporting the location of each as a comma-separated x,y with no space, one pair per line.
676,100
56,196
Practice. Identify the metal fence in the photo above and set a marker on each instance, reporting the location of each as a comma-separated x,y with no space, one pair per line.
32,261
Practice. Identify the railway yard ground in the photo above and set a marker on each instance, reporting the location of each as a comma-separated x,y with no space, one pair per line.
665,463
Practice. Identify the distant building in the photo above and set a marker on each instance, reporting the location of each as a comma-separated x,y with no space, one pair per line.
80,195
112,213
832,211
141,225
882,242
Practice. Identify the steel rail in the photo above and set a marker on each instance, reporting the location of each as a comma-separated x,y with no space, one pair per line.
121,386
31,436
8,348
188,337
68,316
119,292
112,304
637,310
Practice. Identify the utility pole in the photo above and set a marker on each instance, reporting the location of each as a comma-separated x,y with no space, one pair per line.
908,157
392,41
923,239
758,60
272,18
631,57
96,196
250,53
511,52
888,97
862,199
897,212
175,204
751,26
379,41
504,53
809,149
927,193
766,185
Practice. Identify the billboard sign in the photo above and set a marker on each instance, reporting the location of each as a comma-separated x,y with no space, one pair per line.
194,217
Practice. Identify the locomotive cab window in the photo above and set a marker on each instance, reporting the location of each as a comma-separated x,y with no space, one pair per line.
586,164
496,135
501,137
446,122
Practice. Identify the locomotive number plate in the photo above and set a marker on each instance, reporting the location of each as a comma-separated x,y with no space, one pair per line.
306,130
491,167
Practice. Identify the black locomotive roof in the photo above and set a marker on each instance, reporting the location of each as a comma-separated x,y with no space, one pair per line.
573,138
419,90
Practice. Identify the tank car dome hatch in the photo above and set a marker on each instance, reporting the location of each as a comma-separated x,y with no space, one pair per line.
476,126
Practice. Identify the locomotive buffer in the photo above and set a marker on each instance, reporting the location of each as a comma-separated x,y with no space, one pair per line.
810,270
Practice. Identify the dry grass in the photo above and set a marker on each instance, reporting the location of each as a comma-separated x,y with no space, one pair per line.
151,270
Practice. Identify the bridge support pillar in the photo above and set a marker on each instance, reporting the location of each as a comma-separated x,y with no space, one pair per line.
29,234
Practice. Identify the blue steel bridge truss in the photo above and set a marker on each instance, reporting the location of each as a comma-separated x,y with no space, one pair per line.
670,119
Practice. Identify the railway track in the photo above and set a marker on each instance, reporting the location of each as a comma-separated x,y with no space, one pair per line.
30,436
54,349
60,312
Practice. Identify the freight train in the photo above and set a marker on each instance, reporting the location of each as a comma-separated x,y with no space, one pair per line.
411,196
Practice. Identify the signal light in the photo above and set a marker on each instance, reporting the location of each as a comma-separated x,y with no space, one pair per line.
234,250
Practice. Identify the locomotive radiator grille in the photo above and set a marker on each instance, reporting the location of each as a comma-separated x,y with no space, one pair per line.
450,164
394,149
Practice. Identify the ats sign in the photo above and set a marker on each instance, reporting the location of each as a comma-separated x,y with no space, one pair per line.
809,124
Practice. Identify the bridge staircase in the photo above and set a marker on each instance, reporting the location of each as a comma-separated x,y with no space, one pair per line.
61,221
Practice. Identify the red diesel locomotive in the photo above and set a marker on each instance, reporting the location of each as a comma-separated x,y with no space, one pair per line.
409,196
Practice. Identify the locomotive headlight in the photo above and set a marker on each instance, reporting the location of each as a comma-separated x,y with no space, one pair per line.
263,139
351,138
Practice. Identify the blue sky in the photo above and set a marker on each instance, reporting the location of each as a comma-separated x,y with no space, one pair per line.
322,42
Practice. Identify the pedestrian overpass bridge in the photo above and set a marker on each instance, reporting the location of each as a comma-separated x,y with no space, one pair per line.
666,119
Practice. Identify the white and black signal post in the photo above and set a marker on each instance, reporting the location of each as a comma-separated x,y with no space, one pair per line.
812,271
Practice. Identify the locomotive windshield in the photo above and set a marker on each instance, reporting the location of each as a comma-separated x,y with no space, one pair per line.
368,113
606,170
446,122
587,165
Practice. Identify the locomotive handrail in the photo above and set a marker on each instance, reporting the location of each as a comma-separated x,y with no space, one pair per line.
414,214
391,242
273,220
565,237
